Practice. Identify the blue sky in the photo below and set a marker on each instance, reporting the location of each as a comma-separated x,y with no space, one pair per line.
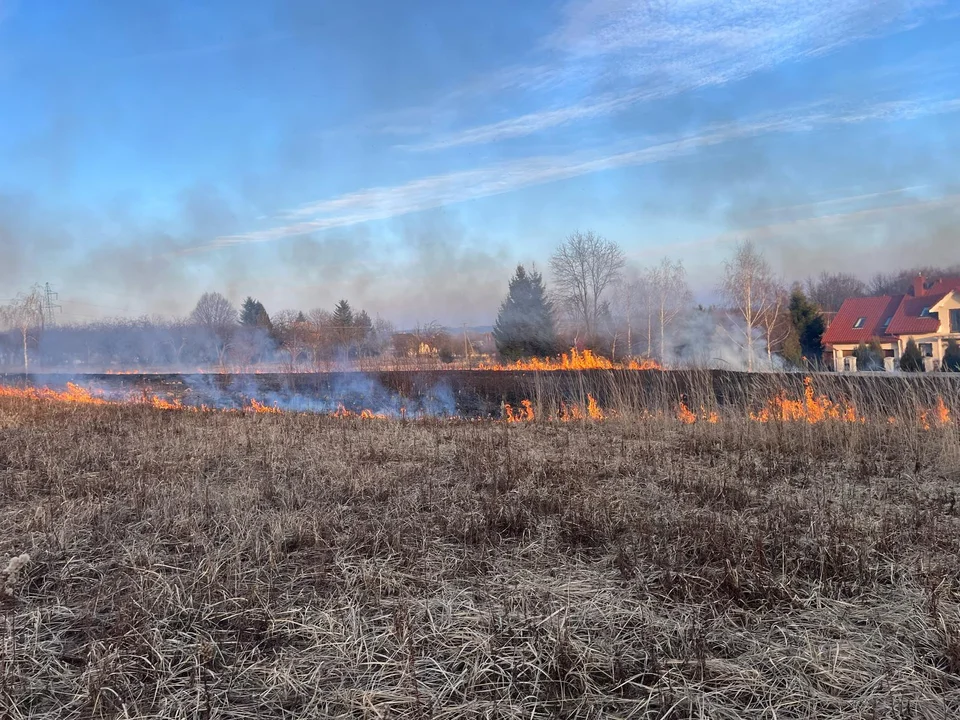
407,155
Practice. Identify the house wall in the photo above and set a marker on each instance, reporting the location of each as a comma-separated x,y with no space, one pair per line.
939,339
950,302
839,352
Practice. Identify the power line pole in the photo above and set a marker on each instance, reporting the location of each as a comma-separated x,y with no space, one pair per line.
48,305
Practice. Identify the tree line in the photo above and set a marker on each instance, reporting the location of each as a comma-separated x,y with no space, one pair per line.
599,300
215,333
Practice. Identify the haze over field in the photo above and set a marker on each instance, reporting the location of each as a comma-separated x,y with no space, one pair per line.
407,156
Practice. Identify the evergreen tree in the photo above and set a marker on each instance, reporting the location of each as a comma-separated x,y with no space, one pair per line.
809,325
524,326
343,315
791,350
344,326
363,330
911,360
254,315
951,356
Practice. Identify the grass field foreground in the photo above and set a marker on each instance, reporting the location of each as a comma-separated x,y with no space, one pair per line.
292,565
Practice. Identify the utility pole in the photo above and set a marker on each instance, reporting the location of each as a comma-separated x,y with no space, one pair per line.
48,305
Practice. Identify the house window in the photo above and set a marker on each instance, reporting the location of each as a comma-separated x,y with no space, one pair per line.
955,321
926,349
861,321
886,323
925,312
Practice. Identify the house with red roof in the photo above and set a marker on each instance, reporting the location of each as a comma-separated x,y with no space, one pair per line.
929,315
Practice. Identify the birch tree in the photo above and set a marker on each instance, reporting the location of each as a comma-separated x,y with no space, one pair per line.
748,287
670,294
25,316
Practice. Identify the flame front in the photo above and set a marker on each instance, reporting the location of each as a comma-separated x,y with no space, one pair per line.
574,360
811,408
73,394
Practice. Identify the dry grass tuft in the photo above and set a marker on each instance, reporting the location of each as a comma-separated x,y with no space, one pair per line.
289,566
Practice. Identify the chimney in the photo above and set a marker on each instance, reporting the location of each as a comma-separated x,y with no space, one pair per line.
919,283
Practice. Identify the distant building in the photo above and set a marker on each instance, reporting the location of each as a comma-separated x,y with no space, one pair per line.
930,315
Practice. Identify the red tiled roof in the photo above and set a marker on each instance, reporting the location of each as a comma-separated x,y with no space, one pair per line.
943,285
908,319
875,309
906,312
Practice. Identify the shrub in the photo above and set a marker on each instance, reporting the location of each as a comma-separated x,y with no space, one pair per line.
951,357
911,360
869,357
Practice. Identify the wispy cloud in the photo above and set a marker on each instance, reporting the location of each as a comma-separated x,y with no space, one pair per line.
845,199
379,203
636,51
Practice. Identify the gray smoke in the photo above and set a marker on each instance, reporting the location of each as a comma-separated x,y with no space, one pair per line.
705,339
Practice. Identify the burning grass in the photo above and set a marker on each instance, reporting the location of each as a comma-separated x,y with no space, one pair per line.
574,360
256,565
811,407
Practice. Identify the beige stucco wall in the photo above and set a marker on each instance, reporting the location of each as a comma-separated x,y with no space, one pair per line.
950,302
839,352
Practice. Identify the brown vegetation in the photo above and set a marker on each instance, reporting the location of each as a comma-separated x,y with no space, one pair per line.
293,565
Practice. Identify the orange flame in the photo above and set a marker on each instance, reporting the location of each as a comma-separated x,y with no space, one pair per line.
73,394
938,416
342,412
686,416
523,414
811,408
259,407
574,360
575,411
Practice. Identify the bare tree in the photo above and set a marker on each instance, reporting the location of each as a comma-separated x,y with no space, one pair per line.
670,294
775,321
293,332
748,287
632,302
584,267
217,315
25,315
829,290
321,338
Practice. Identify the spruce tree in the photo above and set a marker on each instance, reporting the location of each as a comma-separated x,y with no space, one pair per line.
525,326
343,315
809,325
253,314
344,326
911,360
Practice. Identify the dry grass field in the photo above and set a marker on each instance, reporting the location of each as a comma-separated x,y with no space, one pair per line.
247,565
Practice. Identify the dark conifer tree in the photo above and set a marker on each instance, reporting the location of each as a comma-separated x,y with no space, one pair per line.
809,325
525,324
912,359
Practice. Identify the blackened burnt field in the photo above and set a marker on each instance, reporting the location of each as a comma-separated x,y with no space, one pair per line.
160,564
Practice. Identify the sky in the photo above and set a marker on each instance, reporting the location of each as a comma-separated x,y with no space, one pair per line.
406,156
